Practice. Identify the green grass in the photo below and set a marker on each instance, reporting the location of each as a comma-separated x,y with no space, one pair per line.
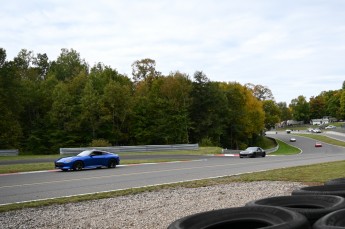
28,157
266,143
15,168
285,149
318,173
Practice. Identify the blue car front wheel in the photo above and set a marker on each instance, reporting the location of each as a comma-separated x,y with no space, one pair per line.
112,163
78,165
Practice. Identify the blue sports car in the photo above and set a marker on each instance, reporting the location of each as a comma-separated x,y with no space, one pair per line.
88,159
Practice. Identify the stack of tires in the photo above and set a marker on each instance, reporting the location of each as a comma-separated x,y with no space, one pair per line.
312,207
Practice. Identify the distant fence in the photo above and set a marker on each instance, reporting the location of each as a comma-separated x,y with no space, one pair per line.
9,152
129,149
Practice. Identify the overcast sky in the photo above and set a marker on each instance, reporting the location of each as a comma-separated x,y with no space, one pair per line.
293,47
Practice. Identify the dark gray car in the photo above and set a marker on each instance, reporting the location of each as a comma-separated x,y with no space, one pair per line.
253,152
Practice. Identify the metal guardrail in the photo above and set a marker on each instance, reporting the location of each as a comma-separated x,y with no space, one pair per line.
9,152
136,149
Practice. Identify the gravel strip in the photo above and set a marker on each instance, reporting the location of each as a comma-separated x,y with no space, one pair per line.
146,210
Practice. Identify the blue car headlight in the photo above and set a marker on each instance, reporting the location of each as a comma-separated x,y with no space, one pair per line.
67,160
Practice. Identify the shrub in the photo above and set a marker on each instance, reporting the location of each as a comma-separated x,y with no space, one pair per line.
100,143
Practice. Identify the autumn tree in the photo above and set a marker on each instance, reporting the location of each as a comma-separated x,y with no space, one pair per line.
272,113
300,109
333,103
161,110
317,107
342,104
68,65
90,108
2,56
207,110
175,92
285,112
42,64
116,107
245,116
10,103
145,70
260,92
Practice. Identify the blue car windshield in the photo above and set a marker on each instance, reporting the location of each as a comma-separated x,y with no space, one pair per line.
85,153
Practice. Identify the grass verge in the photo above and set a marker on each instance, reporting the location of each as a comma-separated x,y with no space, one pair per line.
285,149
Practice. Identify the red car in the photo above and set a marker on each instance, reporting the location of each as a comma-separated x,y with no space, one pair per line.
318,144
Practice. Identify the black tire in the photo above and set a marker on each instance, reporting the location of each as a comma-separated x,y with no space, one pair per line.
313,207
78,165
331,221
254,155
264,154
336,181
64,170
112,163
248,217
337,190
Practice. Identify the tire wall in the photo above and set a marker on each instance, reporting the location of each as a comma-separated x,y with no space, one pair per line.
308,207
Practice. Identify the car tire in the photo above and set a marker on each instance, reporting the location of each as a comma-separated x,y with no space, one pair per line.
313,207
112,163
78,165
243,217
264,154
254,155
337,189
331,221
336,181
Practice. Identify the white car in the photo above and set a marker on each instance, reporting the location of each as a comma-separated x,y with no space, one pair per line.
330,127
316,131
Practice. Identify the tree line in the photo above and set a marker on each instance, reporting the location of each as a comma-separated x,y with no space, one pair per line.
47,105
